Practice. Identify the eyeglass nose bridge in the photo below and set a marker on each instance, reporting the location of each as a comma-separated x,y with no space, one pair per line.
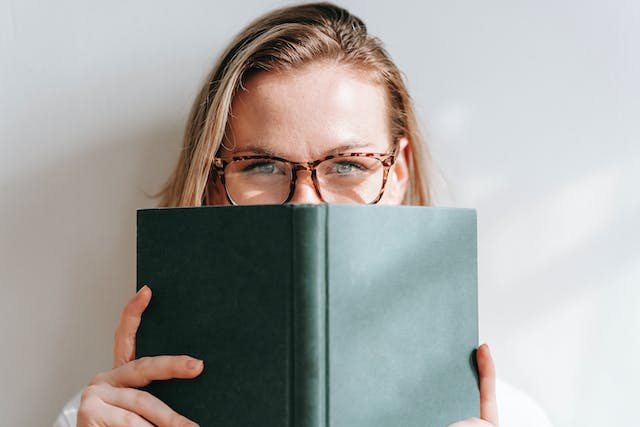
308,166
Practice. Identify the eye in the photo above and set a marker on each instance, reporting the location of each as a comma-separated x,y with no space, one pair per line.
348,167
263,167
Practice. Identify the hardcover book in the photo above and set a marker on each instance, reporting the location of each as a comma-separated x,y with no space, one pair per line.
313,315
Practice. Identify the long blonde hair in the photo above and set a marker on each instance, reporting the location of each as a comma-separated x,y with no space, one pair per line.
286,39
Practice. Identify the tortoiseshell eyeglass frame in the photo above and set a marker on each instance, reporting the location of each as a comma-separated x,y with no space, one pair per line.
387,160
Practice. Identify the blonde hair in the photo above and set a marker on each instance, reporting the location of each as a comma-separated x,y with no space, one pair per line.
286,39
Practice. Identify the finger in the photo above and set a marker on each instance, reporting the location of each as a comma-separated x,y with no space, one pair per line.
94,411
124,346
487,374
141,372
144,404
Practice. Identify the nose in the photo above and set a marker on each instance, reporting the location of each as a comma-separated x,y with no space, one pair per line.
305,191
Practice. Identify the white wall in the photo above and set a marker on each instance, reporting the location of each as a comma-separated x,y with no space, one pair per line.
532,108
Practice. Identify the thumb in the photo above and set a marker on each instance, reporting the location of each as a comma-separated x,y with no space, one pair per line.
124,346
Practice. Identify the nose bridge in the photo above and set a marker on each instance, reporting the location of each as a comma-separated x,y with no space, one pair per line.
305,190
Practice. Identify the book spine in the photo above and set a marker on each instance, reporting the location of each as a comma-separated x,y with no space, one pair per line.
309,398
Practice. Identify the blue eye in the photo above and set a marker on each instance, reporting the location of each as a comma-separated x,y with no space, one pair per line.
261,167
344,168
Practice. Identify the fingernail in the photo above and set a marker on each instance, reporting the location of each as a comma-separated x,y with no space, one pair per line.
140,290
194,363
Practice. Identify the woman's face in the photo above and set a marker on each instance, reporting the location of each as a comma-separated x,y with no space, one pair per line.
308,114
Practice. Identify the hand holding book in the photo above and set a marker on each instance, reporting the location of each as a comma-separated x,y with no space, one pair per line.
112,398
488,403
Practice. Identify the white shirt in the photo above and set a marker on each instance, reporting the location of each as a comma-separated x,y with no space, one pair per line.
515,409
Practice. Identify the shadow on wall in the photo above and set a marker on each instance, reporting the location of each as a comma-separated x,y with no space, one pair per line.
68,241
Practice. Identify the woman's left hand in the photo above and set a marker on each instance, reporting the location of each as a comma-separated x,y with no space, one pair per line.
488,405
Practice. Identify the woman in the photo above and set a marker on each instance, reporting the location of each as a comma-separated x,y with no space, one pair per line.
304,94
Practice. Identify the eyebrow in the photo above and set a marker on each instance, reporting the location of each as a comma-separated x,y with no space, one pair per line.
267,151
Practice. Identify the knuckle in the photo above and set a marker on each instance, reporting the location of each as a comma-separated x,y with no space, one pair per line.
141,363
141,367
88,406
180,363
129,418
97,378
144,360
89,392
141,399
174,366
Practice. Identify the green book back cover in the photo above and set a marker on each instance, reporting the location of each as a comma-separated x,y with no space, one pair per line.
325,315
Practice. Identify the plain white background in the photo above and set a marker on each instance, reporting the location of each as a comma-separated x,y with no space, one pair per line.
532,110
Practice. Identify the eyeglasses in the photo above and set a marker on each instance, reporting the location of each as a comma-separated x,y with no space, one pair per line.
339,178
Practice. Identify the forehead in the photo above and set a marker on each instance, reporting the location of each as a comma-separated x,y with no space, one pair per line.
309,111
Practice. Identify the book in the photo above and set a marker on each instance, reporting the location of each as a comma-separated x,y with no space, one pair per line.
313,315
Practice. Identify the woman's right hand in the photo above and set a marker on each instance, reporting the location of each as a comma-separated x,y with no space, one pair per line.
112,398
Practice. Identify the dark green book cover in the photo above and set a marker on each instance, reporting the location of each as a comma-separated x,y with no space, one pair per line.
314,315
